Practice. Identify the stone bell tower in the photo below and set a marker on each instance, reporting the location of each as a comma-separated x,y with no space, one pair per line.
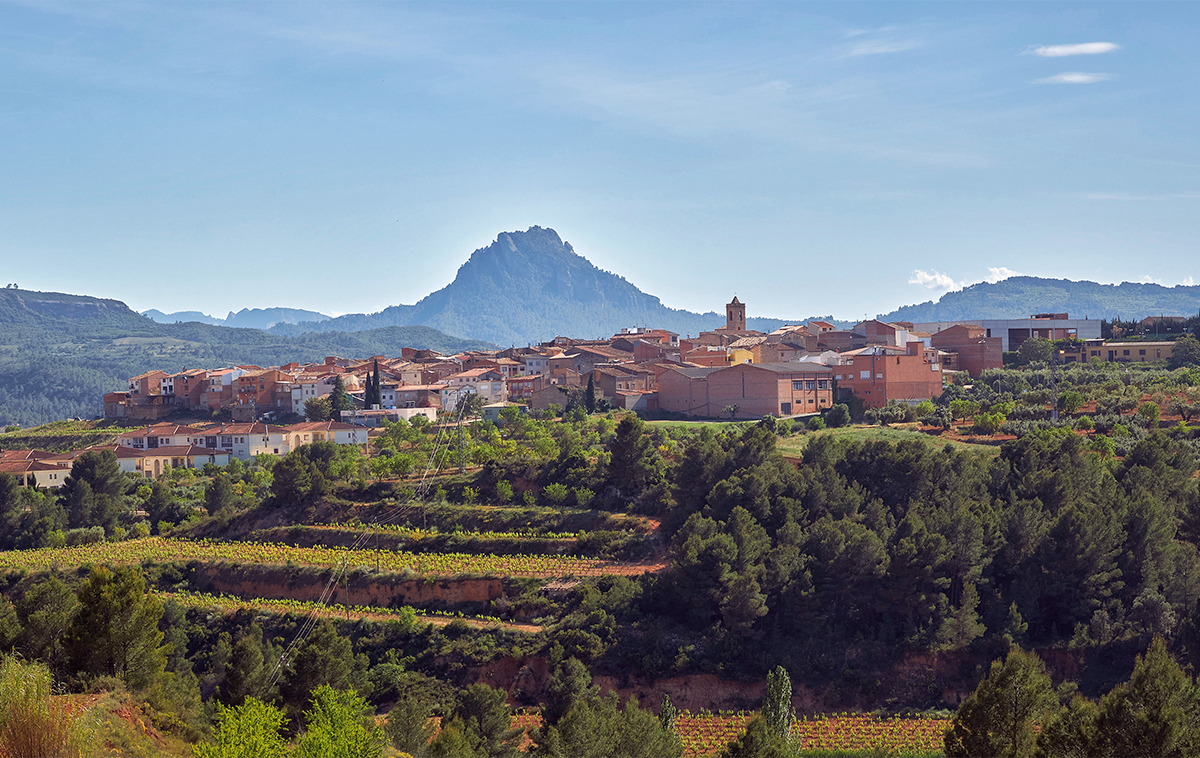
735,316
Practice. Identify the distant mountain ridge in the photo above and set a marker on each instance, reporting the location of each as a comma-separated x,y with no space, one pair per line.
1022,296
528,287
60,353
246,318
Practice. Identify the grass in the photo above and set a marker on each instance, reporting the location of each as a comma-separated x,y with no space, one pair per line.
794,445
696,424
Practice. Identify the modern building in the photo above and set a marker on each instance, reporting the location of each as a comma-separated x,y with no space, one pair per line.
1012,332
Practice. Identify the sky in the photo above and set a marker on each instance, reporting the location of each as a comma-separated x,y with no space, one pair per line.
813,158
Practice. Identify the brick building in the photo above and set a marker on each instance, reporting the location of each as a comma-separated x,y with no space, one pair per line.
976,351
757,389
879,374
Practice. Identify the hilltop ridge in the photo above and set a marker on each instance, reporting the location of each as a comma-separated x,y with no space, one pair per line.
527,287
1020,296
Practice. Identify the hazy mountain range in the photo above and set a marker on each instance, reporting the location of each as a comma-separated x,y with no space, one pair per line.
1022,296
246,318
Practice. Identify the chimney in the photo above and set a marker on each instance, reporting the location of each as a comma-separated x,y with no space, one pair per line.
914,348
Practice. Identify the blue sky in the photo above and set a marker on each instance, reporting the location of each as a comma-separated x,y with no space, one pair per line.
814,158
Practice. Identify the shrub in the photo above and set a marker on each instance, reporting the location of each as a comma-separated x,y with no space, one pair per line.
1149,412
816,423
838,416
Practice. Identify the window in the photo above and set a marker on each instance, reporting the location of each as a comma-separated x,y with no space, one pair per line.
810,384
822,384
797,385
1126,352
864,375
879,376
1141,352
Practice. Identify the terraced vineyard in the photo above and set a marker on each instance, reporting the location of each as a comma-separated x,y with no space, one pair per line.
900,736
162,550
229,604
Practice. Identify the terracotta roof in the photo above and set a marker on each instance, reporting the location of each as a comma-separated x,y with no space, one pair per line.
320,426
24,455
159,430
23,467
180,450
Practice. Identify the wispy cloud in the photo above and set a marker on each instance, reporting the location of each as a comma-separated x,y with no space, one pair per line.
1147,279
933,280
1119,196
1084,48
880,46
999,274
1189,282
1073,77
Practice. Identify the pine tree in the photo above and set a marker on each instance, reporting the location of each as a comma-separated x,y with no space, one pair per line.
115,632
998,718
570,683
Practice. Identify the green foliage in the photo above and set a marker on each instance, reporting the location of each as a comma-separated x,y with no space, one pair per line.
409,727
10,625
92,495
324,658
47,609
838,416
758,741
251,730
1186,352
598,728
339,725
570,684
481,721
777,704
318,408
1035,349
1149,412
246,671
115,630
998,718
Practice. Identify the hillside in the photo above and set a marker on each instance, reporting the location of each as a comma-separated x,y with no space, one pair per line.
246,318
1020,296
528,287
59,353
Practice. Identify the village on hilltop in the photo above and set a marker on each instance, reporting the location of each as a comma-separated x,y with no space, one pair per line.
729,373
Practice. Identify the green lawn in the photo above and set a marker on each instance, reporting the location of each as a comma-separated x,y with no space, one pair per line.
794,445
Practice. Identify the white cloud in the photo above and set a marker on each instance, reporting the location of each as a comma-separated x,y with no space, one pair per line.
933,280
1086,48
999,274
1073,77
878,46
1189,282
1147,279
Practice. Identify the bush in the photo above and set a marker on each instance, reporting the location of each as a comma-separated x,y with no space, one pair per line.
838,416
816,424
